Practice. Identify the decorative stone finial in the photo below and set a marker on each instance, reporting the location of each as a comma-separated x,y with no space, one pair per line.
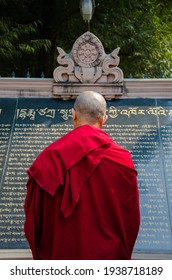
88,63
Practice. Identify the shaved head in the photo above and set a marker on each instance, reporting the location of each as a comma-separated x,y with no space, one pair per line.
90,106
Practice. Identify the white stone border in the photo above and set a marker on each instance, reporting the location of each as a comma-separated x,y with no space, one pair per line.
25,254
29,87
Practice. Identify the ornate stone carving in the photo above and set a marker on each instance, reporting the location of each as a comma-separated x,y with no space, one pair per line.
109,67
88,51
88,63
61,73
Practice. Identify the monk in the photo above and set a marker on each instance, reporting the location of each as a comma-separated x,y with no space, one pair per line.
82,199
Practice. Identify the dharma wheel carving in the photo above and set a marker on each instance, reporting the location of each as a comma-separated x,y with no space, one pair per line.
88,51
88,63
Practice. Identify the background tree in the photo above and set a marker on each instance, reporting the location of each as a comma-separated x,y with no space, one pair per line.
30,31
142,30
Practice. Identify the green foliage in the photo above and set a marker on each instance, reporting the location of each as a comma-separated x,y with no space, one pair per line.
142,31
31,30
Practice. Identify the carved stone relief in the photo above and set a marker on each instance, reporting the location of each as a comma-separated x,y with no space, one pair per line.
88,63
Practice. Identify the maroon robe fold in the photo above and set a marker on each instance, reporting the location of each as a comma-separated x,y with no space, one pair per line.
82,199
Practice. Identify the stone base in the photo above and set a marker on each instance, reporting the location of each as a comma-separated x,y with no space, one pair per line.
70,91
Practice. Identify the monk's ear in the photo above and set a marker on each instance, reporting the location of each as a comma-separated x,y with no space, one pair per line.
105,118
73,114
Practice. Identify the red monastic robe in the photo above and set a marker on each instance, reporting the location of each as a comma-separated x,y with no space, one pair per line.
82,199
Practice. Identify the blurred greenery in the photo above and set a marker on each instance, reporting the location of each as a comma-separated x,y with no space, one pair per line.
31,31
